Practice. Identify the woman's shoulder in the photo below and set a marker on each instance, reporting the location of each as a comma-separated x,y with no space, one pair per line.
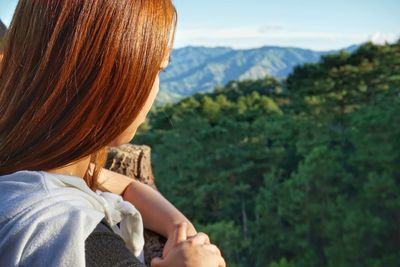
19,191
38,192
39,227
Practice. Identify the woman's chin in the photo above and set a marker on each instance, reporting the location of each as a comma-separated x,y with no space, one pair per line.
121,140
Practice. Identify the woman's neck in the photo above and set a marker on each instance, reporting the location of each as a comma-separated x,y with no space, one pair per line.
77,168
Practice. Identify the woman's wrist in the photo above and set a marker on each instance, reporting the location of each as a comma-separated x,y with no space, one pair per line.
191,230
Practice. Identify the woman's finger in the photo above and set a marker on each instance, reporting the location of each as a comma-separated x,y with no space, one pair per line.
200,238
221,262
181,232
213,248
155,262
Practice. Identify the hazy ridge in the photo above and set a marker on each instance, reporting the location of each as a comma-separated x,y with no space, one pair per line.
200,69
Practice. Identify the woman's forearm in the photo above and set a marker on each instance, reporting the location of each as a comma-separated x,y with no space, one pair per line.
113,182
158,214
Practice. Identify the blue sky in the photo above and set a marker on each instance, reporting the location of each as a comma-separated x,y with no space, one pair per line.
314,24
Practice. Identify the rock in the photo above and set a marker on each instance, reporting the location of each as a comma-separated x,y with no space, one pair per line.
135,161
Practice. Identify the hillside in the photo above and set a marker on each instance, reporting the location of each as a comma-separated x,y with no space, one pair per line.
297,172
201,69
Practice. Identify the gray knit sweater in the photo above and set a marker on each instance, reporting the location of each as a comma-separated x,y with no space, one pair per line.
104,248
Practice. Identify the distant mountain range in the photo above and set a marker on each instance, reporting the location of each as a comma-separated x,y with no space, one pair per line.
201,69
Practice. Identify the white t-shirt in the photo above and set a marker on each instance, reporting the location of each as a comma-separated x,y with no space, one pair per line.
45,219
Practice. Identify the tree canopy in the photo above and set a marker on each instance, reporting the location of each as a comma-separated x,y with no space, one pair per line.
302,172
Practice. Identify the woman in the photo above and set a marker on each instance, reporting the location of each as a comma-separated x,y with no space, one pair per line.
76,77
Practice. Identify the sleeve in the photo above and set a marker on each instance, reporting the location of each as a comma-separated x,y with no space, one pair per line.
104,248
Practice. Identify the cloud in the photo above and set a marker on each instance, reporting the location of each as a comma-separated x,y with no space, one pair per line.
254,32
250,37
271,29
382,38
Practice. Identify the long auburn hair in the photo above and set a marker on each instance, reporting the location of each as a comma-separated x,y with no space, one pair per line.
74,75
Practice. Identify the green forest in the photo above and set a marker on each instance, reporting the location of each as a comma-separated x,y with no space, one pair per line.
301,172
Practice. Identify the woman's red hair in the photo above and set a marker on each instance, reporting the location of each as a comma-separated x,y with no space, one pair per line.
74,75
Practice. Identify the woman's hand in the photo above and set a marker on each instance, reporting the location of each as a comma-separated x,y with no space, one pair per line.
172,236
158,215
195,251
